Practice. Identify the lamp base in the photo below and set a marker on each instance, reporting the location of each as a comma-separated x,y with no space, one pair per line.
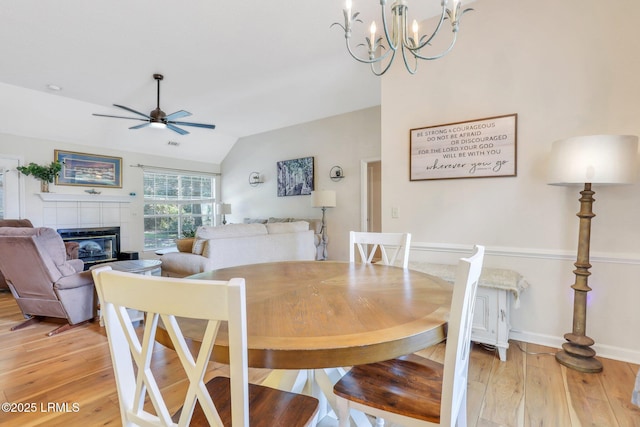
587,364
577,353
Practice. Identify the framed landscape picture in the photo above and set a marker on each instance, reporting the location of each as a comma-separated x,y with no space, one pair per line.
90,170
295,177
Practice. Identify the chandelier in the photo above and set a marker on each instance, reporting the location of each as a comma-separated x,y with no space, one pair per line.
398,36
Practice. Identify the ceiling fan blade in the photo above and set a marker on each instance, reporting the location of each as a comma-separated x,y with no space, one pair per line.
120,117
177,129
178,115
198,125
144,125
132,110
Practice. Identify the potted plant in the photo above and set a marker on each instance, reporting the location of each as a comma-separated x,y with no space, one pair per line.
45,174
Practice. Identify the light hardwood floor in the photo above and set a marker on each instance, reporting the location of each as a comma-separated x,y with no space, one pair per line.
67,380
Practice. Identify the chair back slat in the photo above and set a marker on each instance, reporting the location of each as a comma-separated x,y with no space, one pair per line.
164,299
394,247
456,363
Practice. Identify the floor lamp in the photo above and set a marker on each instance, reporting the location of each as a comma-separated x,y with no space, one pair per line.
586,160
323,199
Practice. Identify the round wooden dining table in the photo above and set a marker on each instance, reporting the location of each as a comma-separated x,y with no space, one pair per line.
311,314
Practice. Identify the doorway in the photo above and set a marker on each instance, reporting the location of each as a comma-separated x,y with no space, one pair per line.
371,190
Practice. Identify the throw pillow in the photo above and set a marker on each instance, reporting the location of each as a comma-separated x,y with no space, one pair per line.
272,220
255,221
287,227
198,246
185,245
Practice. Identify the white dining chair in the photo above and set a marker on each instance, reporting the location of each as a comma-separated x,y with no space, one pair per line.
222,399
394,247
413,391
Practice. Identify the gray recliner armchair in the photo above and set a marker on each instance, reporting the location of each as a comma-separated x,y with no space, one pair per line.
42,280
71,247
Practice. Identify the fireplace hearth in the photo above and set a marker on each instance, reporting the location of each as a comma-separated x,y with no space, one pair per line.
97,245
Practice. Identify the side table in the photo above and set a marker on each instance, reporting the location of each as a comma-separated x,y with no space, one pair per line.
149,267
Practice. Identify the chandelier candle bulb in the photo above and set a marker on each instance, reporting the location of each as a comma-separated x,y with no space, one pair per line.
416,39
373,35
454,11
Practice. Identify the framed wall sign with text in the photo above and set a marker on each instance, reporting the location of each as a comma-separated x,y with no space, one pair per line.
473,149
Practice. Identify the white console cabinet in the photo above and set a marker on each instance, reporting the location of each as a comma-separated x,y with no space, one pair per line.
496,288
491,319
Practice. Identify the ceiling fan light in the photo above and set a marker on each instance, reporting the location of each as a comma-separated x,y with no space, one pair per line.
158,125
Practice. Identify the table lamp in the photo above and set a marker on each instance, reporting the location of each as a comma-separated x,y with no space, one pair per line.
323,199
586,160
224,209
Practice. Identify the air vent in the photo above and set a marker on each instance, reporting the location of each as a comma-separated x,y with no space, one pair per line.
174,143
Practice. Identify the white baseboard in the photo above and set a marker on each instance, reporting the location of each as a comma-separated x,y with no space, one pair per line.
606,351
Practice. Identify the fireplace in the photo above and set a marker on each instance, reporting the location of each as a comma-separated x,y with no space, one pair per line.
97,245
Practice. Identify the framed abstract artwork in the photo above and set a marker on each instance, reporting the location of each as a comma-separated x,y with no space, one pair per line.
295,177
89,170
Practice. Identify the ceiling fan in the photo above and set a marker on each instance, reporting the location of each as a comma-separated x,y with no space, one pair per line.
158,118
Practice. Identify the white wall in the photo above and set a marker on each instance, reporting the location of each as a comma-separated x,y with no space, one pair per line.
566,68
41,151
341,140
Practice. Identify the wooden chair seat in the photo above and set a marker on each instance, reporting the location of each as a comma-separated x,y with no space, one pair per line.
268,407
400,386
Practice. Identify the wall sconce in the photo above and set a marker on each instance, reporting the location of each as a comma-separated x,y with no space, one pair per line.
255,179
336,173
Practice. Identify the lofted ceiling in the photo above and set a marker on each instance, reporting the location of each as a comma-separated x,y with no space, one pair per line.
246,66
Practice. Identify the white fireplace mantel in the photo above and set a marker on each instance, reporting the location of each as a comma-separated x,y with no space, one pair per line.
57,197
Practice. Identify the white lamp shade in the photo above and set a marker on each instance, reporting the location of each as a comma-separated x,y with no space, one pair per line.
602,159
224,208
323,199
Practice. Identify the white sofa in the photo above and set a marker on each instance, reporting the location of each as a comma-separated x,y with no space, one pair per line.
240,244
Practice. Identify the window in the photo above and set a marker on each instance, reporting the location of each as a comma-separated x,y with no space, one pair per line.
175,203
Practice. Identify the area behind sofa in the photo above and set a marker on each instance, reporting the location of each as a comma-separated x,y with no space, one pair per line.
239,244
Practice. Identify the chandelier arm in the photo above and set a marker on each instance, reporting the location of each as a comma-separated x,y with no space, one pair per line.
406,62
440,55
435,32
371,60
393,46
386,67
401,19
